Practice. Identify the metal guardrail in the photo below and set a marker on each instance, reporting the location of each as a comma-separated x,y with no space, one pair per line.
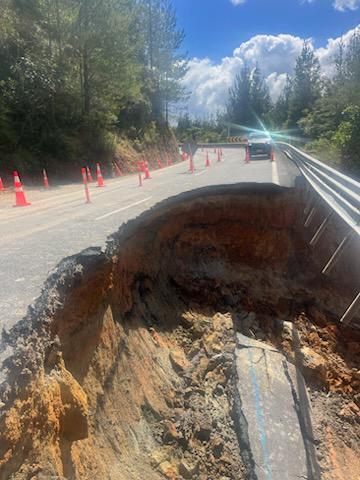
342,194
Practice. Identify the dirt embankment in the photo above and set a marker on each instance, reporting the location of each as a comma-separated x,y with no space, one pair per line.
124,368
125,152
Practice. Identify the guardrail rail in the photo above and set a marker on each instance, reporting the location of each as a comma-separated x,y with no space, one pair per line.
342,194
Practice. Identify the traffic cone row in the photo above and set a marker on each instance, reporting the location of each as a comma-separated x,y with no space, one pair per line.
143,167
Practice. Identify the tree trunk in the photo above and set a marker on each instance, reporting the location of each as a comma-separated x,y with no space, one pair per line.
86,81
58,27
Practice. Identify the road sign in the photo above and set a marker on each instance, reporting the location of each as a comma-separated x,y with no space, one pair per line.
237,140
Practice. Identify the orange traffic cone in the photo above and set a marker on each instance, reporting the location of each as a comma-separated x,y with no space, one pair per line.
147,171
99,176
218,156
85,173
272,155
19,192
140,176
191,169
247,155
118,172
46,181
89,175
2,188
159,163
207,163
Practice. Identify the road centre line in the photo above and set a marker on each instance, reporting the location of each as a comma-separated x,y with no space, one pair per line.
123,208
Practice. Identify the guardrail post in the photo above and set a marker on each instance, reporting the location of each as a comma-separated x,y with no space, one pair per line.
310,217
351,311
308,204
320,230
337,254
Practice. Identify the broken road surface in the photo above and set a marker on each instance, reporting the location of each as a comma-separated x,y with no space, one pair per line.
272,414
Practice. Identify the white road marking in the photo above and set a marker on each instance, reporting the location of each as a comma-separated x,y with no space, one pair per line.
123,208
200,173
275,173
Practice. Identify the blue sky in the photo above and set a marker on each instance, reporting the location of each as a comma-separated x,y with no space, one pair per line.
220,36
215,27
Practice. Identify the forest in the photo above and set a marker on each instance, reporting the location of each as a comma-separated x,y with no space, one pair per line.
79,76
317,113
82,79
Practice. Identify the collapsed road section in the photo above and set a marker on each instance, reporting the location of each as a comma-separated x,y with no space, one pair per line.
202,344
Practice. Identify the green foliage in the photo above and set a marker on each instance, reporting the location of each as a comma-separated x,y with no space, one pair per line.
324,149
306,85
325,111
74,74
249,99
347,138
200,130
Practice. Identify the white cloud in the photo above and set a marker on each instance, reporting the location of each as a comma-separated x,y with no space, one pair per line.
209,82
237,2
343,5
326,54
273,53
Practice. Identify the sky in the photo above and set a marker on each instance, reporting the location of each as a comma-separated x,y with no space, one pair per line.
222,34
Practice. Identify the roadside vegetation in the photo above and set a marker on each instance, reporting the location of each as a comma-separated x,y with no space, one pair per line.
318,113
77,77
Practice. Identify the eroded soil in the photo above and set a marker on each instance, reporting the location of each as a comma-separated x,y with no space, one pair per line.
124,368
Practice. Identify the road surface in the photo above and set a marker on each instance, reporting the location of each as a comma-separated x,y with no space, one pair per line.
34,239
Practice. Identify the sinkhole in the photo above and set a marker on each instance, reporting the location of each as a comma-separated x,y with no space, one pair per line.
150,359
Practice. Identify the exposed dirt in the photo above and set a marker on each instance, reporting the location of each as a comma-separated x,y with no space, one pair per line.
124,368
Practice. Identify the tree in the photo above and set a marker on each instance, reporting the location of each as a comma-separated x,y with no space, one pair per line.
259,94
249,98
306,85
166,64
280,112
239,103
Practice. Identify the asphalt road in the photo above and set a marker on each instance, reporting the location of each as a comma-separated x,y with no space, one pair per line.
58,223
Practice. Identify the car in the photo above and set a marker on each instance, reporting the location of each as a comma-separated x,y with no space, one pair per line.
260,143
